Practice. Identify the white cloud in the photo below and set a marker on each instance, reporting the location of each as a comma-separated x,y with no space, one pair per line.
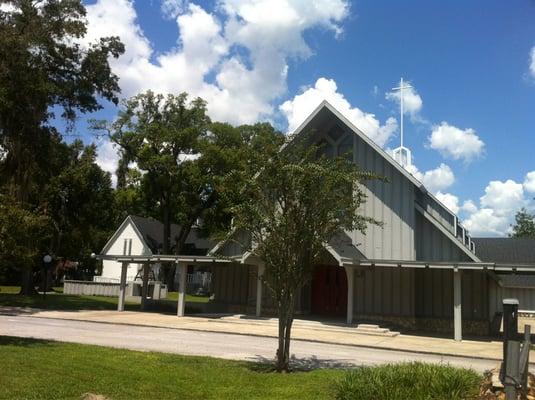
173,8
504,197
487,222
449,200
435,180
529,182
412,101
469,206
107,158
532,65
498,207
236,59
299,108
459,144
438,179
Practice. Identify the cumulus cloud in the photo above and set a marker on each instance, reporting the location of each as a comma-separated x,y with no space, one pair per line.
435,180
107,158
438,179
532,64
488,222
236,59
449,200
505,196
456,143
299,108
469,206
529,182
498,206
412,101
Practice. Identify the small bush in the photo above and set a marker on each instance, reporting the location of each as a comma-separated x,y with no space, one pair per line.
414,381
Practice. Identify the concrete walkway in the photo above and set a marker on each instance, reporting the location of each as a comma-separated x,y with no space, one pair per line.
304,354
303,330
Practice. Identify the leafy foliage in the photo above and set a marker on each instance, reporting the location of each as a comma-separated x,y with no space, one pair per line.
417,381
23,233
46,73
291,209
524,226
43,68
188,168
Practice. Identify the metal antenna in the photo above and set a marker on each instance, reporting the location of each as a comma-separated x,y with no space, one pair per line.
400,88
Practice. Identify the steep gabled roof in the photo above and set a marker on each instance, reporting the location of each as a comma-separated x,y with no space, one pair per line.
325,105
150,231
505,250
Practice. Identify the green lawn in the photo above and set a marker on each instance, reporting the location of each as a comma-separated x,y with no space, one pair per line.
173,296
34,369
58,301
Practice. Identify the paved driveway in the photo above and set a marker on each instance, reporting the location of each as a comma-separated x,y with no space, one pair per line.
214,344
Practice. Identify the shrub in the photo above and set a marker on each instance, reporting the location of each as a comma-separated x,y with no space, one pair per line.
415,381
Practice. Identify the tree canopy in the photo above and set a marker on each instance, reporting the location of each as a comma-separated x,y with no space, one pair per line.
524,226
181,168
47,73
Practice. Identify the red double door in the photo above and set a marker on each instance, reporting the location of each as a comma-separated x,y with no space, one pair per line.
329,290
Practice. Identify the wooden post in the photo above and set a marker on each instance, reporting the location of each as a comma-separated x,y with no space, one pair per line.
512,373
260,274
350,272
524,360
145,287
122,287
457,309
182,275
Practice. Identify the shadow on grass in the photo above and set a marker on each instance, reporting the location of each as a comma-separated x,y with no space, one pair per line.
302,364
24,342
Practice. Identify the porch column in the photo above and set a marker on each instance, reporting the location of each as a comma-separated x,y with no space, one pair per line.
182,272
122,287
350,272
457,311
145,287
260,274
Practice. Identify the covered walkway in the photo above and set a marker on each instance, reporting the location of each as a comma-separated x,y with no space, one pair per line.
349,264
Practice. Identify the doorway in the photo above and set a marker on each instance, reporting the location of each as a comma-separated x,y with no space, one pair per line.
329,291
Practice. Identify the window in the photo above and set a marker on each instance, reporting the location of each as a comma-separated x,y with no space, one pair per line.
127,247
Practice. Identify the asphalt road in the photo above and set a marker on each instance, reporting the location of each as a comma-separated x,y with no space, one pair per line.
221,345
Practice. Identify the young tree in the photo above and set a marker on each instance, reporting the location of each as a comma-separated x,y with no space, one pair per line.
292,208
524,226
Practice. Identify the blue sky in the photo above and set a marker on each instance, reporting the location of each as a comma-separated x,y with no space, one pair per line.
471,116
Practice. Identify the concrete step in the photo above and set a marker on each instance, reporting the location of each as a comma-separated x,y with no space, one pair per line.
368,326
370,329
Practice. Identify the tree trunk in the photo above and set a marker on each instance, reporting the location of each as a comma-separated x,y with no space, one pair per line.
26,284
286,315
169,267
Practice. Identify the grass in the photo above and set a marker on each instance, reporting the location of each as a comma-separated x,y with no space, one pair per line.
415,381
56,300
34,369
173,296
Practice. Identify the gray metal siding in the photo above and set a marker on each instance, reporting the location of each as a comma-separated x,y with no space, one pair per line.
390,202
384,291
231,283
526,297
